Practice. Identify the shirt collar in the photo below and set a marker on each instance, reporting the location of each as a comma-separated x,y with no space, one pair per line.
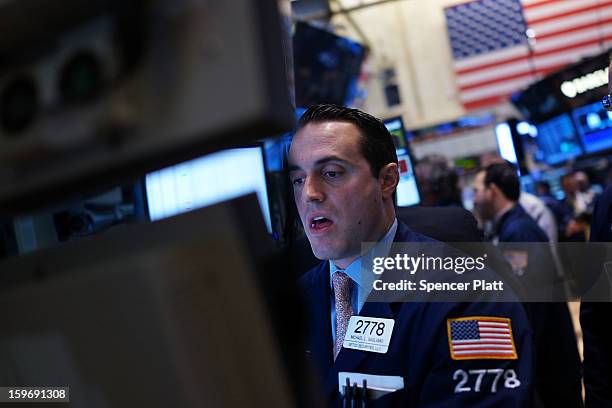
366,279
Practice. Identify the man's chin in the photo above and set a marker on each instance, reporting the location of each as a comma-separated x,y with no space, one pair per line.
323,255
324,252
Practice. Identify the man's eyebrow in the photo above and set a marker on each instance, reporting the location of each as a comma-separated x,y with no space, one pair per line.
327,159
323,160
293,167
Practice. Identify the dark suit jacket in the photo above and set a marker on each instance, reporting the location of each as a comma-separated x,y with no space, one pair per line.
557,376
595,321
517,226
446,224
419,349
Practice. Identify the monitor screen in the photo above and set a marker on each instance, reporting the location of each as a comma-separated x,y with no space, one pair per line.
326,66
407,190
208,180
553,178
528,184
557,140
505,144
395,126
594,125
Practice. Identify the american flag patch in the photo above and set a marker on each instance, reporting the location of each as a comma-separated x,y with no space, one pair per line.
481,337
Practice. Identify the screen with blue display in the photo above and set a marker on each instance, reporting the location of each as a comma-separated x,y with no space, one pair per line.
557,140
594,126
553,178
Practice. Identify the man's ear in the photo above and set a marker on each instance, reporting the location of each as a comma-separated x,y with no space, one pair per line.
495,191
389,178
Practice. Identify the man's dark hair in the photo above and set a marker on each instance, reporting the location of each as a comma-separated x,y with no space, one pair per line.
376,142
504,176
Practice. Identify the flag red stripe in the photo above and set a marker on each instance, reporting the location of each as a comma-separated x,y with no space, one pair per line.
492,64
496,80
534,54
480,103
493,324
523,74
543,3
572,29
568,13
572,46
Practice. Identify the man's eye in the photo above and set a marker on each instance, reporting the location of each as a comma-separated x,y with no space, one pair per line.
332,174
297,181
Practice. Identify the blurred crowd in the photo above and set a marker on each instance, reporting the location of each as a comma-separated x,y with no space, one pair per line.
563,220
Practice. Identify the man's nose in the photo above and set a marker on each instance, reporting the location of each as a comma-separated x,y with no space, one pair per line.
313,191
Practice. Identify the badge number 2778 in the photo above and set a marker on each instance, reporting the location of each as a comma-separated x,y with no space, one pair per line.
369,334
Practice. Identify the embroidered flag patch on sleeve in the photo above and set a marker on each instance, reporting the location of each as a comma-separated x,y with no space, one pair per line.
481,337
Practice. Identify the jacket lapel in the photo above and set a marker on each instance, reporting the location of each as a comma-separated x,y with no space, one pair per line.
349,360
319,315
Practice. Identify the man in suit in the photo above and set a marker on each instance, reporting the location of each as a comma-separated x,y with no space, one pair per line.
344,171
557,375
595,320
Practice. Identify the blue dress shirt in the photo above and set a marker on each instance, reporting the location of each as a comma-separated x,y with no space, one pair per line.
363,277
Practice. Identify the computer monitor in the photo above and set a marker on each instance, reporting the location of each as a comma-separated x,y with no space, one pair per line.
110,90
528,184
557,140
208,180
553,178
178,313
395,126
326,66
594,126
407,190
505,145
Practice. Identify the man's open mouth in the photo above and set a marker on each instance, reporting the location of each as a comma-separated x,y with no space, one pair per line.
320,222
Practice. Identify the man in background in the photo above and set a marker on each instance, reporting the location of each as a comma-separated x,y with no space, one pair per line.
557,375
438,182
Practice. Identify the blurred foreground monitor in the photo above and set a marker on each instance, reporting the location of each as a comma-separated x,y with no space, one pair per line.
94,92
185,312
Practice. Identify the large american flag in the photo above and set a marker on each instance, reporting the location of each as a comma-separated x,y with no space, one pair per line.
481,337
493,55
